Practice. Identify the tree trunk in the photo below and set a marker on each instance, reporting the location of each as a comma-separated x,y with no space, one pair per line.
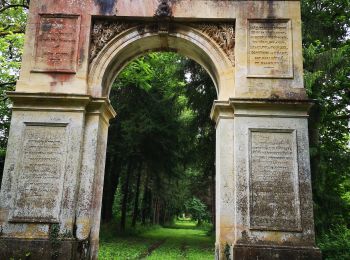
136,203
315,157
125,196
213,197
111,181
155,205
146,201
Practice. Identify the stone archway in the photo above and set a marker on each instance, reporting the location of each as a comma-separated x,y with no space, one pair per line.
115,43
50,198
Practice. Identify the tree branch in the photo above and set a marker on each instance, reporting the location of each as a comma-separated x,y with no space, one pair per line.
7,84
3,9
4,33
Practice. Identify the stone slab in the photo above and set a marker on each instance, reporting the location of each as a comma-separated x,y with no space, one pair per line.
275,253
274,194
40,182
270,52
15,248
57,43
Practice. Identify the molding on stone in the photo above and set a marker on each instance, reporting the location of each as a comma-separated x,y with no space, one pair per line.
270,107
48,101
62,103
237,107
221,109
222,33
101,106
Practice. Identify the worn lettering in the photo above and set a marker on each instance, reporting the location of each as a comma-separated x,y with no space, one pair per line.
270,49
273,181
40,181
56,43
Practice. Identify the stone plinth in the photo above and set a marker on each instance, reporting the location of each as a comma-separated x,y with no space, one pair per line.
48,203
264,189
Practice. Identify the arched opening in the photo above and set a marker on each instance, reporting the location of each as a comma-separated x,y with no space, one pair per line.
159,186
185,40
134,41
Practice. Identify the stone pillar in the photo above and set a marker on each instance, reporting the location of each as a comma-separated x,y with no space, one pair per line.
99,111
264,196
222,114
51,192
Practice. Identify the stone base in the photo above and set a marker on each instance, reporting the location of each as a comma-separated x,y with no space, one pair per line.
13,248
242,252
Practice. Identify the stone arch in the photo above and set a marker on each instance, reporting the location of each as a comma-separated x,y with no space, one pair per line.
61,104
186,40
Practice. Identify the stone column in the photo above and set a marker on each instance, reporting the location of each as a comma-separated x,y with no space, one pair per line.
264,208
99,112
222,114
51,192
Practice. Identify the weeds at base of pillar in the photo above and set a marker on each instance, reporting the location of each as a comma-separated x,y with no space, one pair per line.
227,252
54,240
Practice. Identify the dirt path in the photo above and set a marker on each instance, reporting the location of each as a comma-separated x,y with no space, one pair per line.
151,248
184,249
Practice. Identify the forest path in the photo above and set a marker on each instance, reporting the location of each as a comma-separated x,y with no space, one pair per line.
180,241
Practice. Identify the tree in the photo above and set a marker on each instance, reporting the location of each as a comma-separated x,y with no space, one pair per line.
197,209
327,80
13,15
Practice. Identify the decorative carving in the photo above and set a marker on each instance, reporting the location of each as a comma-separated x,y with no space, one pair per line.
103,32
164,9
223,34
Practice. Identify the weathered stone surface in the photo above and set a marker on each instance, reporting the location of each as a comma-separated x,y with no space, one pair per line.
42,249
275,253
56,43
270,49
40,183
74,49
274,194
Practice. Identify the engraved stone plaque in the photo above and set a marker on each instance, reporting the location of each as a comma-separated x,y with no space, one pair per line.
274,192
270,49
57,43
40,177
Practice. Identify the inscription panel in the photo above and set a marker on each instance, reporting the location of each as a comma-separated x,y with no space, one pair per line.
40,179
57,43
270,49
274,192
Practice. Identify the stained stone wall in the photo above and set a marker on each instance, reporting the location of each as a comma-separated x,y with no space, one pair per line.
51,192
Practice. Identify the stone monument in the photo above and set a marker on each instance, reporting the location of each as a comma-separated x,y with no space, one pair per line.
51,192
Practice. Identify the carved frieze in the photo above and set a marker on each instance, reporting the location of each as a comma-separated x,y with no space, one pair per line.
223,34
104,31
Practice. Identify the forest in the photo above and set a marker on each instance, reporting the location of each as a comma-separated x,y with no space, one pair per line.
160,166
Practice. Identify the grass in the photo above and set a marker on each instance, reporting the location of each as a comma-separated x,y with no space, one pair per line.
183,240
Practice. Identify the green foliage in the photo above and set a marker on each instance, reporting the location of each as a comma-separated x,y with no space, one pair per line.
227,252
335,244
327,71
326,20
197,209
54,240
158,243
327,80
13,16
159,137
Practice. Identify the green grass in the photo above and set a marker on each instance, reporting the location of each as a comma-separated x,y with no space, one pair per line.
158,243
